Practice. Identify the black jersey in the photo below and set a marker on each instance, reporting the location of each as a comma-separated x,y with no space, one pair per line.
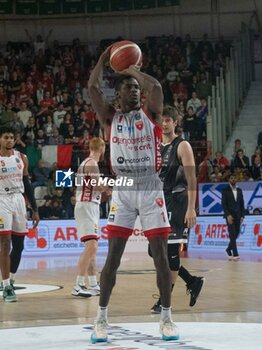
172,172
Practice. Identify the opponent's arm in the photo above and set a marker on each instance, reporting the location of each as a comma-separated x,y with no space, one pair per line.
29,192
153,91
99,102
185,153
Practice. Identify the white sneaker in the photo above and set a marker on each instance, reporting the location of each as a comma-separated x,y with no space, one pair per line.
99,334
81,291
94,291
168,330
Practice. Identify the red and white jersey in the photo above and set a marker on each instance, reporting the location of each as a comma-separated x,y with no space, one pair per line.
84,190
135,141
11,173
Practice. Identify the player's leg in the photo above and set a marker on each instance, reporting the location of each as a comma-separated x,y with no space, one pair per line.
158,247
8,291
86,263
87,217
6,226
174,262
19,230
177,204
116,247
16,255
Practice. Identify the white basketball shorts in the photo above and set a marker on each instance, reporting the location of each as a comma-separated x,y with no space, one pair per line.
147,201
87,215
13,218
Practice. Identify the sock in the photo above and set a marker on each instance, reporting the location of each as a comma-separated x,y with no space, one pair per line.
185,275
166,313
6,282
92,281
102,312
80,280
12,276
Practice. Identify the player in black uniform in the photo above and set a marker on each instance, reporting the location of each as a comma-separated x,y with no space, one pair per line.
179,180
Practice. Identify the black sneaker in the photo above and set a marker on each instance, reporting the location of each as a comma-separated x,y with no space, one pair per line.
156,308
194,289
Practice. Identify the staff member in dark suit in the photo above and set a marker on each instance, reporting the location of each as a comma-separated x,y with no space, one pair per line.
234,212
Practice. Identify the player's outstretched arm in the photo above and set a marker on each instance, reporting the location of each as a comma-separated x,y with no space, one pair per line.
151,87
99,102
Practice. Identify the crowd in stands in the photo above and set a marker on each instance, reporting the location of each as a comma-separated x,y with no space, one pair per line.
44,97
245,169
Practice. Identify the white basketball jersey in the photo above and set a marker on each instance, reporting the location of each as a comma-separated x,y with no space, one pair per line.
85,192
11,174
135,144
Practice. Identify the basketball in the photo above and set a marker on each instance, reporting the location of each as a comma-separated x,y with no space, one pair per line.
124,54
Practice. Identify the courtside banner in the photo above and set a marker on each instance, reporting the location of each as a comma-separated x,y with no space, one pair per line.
60,236
211,234
210,195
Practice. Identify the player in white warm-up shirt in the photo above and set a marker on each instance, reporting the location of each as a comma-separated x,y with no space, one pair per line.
13,220
135,139
87,214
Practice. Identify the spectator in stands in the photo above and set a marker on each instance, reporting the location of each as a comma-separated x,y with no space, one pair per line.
69,211
67,100
47,83
256,167
19,144
39,43
240,160
82,124
17,124
14,84
204,87
41,139
201,117
205,45
236,147
216,175
189,124
24,114
71,137
57,211
47,103
7,114
56,139
41,174
194,102
59,114
59,194
49,126
39,94
63,130
45,211
30,132
221,161
51,180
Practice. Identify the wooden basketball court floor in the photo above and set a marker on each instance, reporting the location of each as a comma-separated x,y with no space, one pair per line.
232,292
